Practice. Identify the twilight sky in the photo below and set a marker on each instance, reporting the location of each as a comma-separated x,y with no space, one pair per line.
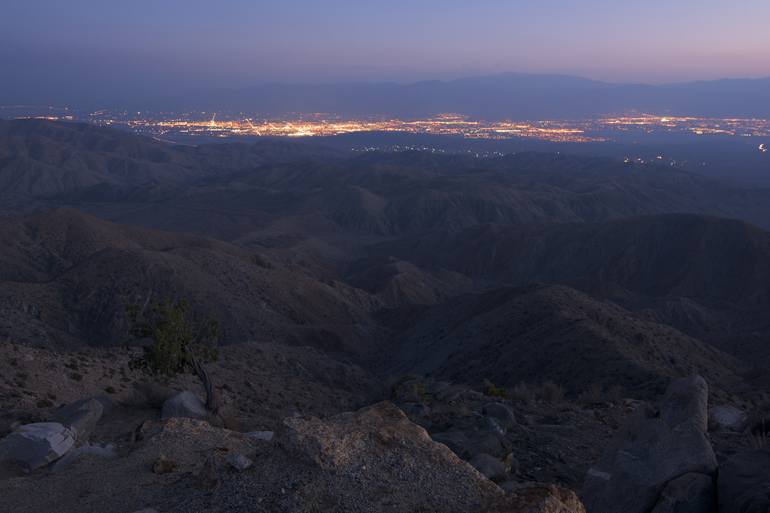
155,44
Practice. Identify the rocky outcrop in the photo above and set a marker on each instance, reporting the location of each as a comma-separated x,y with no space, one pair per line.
656,447
185,405
538,498
380,448
488,465
691,493
81,417
744,483
35,445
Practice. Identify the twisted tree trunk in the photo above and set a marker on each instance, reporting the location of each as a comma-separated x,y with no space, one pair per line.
212,399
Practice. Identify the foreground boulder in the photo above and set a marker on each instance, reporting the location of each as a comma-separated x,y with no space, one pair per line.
654,448
502,413
489,466
691,493
744,483
35,445
184,405
380,448
538,498
81,417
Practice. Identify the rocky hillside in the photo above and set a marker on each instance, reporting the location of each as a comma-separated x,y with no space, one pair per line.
707,276
68,277
539,333
401,332
40,159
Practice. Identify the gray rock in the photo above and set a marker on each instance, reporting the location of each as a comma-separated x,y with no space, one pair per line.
416,409
686,403
455,440
691,493
95,451
488,465
744,483
35,445
474,440
500,412
239,461
262,436
727,418
488,440
81,417
184,404
653,448
508,486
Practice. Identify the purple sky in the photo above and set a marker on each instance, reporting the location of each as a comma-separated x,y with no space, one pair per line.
157,44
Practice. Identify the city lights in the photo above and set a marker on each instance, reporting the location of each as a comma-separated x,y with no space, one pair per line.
168,125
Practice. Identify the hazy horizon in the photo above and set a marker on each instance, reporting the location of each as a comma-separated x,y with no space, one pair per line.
147,48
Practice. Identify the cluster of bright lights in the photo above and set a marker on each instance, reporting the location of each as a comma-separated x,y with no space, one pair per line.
736,127
315,126
201,124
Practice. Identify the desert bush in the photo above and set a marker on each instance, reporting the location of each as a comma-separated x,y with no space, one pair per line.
592,395
491,390
523,393
759,436
551,393
178,344
595,394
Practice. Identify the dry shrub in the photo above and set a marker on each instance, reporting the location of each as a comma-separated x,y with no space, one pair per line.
523,393
551,393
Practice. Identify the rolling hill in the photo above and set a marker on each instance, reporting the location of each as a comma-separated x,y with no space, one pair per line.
67,277
709,277
540,333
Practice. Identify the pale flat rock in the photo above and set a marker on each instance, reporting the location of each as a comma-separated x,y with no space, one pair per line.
727,417
262,436
184,405
35,445
239,461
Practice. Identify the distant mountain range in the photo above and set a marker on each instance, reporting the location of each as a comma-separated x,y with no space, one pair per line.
502,96
510,95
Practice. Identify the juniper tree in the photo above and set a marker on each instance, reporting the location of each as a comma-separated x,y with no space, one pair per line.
177,344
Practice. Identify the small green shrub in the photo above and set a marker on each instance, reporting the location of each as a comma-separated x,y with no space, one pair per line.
178,344
491,390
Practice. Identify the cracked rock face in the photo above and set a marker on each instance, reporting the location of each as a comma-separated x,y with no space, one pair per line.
656,447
